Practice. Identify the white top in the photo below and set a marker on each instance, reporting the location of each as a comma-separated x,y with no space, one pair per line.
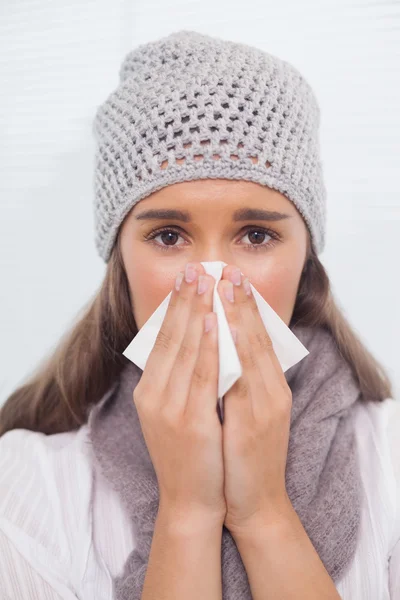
64,533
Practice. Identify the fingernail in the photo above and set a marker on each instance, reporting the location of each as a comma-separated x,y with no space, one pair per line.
190,273
228,291
202,285
236,277
178,281
247,287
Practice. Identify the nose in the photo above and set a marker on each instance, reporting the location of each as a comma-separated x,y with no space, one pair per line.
213,253
211,257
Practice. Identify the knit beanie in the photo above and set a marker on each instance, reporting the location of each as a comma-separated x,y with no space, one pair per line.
191,106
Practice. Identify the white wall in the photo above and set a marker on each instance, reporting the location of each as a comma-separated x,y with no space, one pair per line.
59,60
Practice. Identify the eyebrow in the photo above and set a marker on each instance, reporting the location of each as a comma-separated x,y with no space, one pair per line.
242,214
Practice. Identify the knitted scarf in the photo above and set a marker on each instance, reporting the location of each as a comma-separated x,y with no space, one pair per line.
322,472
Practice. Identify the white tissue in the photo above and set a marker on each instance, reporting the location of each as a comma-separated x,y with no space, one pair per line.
288,348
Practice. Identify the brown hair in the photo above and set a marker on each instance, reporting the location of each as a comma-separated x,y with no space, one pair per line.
60,393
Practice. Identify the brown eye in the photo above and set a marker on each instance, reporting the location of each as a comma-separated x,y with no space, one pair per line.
256,237
169,237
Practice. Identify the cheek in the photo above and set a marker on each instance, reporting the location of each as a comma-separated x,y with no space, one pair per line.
277,284
149,285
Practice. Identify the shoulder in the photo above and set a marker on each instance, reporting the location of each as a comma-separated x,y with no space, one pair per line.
383,420
393,429
377,428
392,425
45,495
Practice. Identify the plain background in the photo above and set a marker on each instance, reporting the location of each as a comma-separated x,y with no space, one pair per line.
60,60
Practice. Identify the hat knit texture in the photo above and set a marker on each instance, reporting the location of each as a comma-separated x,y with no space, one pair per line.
191,106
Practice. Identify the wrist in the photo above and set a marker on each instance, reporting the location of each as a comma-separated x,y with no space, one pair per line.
184,522
268,523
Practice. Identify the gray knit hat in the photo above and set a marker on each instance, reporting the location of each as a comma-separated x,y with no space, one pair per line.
189,96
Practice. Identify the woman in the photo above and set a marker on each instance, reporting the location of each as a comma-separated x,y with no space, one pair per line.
127,484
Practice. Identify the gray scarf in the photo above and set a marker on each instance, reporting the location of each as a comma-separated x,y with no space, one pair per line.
322,471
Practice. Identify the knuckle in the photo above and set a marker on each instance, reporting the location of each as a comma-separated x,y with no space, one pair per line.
173,302
287,401
137,396
185,294
163,340
253,305
248,359
282,404
241,301
200,377
185,353
282,411
147,397
141,391
241,388
144,408
263,341
288,393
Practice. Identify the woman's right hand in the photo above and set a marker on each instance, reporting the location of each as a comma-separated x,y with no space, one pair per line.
176,401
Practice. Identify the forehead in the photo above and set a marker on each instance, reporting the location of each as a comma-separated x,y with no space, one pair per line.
203,195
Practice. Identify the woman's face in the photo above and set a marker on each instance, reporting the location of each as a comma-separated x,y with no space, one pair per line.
211,225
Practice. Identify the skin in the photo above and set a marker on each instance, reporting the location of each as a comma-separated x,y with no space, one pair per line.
273,266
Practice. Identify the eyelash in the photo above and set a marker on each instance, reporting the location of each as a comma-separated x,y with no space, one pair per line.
252,247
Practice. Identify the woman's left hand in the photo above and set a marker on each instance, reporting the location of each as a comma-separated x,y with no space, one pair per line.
256,422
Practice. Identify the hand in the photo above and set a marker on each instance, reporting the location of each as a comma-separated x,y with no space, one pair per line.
176,400
256,423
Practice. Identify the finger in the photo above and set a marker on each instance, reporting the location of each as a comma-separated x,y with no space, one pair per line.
261,338
229,270
239,395
203,395
169,338
256,353
188,352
